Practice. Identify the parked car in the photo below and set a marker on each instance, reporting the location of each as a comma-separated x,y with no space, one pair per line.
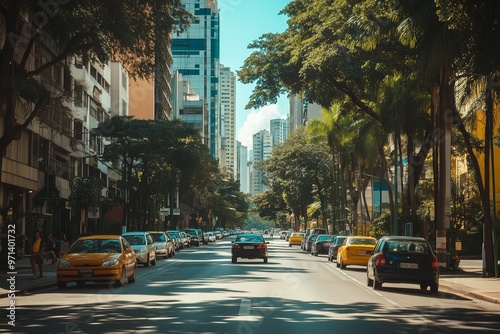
164,244
186,239
143,245
196,239
334,247
321,244
283,235
249,246
211,236
309,241
355,250
97,258
295,239
400,259
177,238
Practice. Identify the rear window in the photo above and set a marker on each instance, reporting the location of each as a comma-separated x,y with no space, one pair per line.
249,238
406,247
362,241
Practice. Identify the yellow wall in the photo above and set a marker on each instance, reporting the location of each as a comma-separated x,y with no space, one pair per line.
141,99
480,129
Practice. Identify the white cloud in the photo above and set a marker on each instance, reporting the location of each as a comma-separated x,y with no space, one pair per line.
257,120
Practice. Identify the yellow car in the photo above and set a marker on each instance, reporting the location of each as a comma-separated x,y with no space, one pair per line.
295,239
355,250
97,258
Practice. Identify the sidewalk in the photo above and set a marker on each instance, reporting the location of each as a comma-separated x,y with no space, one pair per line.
467,281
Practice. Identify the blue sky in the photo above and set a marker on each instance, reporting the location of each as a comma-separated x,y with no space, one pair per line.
241,22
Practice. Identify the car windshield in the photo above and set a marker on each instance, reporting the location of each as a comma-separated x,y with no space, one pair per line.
339,241
407,247
324,237
249,238
158,237
362,241
135,239
95,246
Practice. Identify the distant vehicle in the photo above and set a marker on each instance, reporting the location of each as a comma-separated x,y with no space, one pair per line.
295,238
196,239
283,235
321,244
249,246
164,244
400,259
334,247
211,237
355,250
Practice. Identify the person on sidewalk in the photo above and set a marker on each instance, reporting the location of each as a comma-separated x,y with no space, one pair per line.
37,250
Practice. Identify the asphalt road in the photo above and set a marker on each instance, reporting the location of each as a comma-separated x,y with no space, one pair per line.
199,290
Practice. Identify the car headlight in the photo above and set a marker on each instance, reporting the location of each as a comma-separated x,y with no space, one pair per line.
64,264
110,263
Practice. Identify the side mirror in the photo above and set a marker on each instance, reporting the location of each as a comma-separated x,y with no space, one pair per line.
129,250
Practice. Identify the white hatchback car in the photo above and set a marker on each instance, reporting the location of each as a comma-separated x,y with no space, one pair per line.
211,236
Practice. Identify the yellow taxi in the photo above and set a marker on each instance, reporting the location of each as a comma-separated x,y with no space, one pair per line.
98,258
355,250
295,239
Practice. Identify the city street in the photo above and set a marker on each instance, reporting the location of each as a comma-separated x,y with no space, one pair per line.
199,290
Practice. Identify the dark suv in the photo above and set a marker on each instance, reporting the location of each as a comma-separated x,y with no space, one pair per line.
196,237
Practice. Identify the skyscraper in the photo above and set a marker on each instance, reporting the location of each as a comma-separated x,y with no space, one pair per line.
262,150
280,129
227,123
196,56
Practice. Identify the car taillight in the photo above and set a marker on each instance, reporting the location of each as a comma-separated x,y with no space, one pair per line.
236,246
435,263
261,246
380,261
336,247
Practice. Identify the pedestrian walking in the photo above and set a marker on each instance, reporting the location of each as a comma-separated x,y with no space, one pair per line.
37,249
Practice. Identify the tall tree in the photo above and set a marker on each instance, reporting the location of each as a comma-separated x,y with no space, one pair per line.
100,30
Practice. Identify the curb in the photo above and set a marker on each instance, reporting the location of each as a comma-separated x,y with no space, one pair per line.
465,291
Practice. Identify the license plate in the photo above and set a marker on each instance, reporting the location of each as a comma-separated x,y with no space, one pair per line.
248,247
409,265
85,271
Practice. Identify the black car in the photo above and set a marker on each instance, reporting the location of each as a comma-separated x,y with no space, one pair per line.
334,247
196,238
400,259
249,246
321,244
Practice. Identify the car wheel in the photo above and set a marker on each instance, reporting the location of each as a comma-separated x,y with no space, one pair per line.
434,288
289,245
376,284
315,253
337,263
265,259
61,285
154,261
369,281
121,281
234,260
148,262
423,286
133,277
342,264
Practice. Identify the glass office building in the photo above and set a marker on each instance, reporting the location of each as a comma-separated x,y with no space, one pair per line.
196,56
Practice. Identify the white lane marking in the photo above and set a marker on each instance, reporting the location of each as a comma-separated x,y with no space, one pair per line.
245,305
337,272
